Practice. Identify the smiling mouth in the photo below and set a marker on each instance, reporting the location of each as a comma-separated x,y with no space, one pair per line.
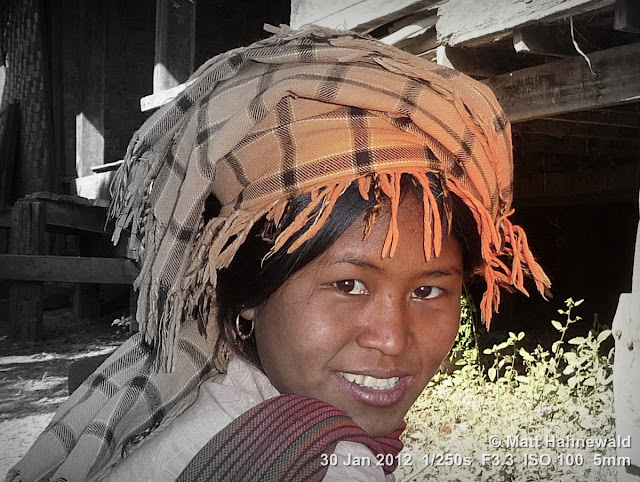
367,381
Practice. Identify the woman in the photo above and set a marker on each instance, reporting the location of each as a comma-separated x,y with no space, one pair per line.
306,212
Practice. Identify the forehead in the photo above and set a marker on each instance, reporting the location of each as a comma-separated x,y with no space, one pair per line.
353,244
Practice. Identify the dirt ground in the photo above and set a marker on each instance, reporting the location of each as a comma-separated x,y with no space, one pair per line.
33,378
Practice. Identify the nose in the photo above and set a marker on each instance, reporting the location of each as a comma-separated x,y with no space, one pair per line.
386,326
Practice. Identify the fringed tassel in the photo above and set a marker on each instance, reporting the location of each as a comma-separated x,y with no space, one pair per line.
501,239
317,212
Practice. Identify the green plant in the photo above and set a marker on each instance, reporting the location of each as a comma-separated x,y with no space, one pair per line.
564,393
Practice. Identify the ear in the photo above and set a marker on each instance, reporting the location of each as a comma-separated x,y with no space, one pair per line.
248,313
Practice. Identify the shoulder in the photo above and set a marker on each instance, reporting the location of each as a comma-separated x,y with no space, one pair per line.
163,456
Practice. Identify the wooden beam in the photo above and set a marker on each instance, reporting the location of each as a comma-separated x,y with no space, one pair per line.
360,15
27,237
603,117
473,22
90,119
627,16
157,99
175,43
75,217
539,40
557,129
626,370
590,186
67,269
578,149
568,85
484,62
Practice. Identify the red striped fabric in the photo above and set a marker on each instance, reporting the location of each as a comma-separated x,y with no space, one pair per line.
283,439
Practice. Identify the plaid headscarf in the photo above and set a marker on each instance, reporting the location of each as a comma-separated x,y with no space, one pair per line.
306,112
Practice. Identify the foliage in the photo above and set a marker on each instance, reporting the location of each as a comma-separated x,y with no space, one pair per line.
489,420
122,324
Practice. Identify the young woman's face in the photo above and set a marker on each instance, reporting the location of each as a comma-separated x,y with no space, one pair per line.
360,332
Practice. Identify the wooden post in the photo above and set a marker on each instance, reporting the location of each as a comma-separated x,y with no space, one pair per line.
90,119
25,297
626,372
86,296
175,43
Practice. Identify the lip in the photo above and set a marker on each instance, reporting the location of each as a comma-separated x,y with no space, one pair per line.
374,397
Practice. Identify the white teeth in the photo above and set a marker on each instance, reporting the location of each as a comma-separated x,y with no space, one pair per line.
371,382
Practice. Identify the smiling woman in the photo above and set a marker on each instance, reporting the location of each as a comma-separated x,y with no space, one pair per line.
308,210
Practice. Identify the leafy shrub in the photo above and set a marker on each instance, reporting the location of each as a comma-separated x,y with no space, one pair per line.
497,423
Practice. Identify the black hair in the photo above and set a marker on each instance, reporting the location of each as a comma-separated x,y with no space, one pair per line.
251,279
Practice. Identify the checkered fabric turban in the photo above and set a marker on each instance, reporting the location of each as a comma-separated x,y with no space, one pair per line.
308,113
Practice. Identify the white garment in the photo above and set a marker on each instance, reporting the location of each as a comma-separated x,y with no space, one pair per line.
163,457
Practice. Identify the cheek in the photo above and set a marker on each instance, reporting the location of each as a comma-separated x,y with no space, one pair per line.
295,341
436,342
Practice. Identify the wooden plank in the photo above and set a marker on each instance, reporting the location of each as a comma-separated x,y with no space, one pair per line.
626,16
5,217
25,310
591,186
577,149
481,62
568,85
154,101
473,22
544,40
90,119
626,370
75,217
174,43
603,117
67,269
555,128
360,15
27,237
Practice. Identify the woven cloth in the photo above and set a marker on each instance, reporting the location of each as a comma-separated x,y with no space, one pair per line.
302,112
283,439
307,112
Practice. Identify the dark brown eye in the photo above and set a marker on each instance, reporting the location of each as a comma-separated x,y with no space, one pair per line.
350,286
426,293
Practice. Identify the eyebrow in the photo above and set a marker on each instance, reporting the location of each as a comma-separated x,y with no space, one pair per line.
429,273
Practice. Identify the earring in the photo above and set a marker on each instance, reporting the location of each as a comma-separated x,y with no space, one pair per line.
239,332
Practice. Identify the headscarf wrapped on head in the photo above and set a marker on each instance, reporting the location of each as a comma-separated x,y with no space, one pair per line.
299,113
303,112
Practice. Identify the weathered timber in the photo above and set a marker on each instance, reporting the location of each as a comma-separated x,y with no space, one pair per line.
556,128
360,15
75,217
90,119
482,62
544,41
568,85
568,188
472,22
418,27
602,117
25,310
626,16
27,237
67,269
154,101
86,296
578,148
174,43
626,371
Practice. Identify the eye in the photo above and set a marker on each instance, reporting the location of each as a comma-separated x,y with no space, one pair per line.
426,293
350,287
